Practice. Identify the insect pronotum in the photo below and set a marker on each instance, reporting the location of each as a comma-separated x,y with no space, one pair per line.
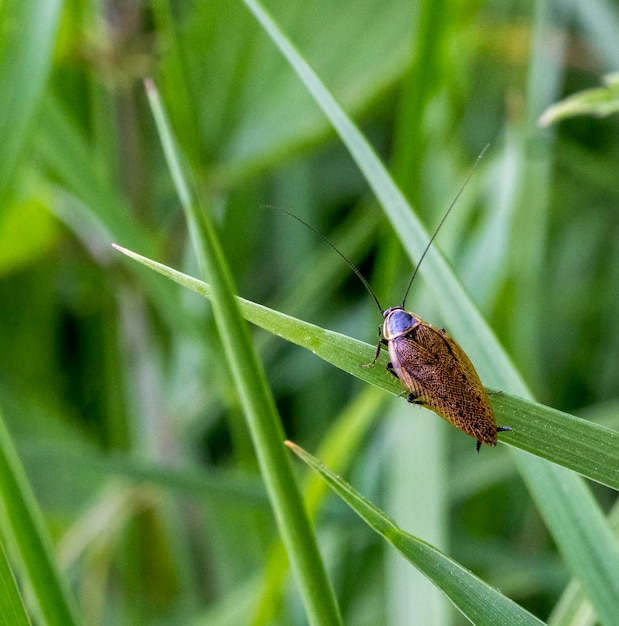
435,370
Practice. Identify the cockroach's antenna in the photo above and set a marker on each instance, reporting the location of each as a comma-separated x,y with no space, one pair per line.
451,206
350,264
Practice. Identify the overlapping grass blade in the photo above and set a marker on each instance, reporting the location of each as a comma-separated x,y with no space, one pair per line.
578,526
585,447
255,396
479,602
22,524
12,610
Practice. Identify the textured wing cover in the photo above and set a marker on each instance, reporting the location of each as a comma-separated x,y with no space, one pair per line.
442,378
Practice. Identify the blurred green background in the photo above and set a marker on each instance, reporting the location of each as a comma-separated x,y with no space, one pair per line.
113,384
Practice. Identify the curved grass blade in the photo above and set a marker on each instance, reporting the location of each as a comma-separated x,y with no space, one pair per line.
585,447
597,102
479,602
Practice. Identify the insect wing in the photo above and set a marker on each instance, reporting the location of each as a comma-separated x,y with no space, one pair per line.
441,377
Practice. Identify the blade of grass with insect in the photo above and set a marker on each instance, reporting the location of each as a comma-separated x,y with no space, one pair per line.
577,524
21,522
583,446
255,396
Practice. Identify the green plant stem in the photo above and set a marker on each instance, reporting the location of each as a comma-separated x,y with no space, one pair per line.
12,611
22,522
255,396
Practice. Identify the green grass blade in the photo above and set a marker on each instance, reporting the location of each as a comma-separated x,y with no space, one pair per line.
479,602
255,396
583,536
24,69
465,321
565,518
22,525
573,608
339,449
12,610
585,447
561,438
598,102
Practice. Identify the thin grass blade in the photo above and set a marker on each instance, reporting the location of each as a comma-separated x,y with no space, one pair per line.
22,524
258,405
12,610
479,602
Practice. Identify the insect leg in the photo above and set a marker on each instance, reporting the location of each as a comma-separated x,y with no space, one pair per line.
381,342
413,399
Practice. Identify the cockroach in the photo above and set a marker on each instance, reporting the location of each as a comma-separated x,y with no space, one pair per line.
435,370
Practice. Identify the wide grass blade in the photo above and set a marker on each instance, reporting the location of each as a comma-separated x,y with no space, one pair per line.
479,602
585,447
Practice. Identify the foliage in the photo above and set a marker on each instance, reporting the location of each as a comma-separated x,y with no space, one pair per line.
129,442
